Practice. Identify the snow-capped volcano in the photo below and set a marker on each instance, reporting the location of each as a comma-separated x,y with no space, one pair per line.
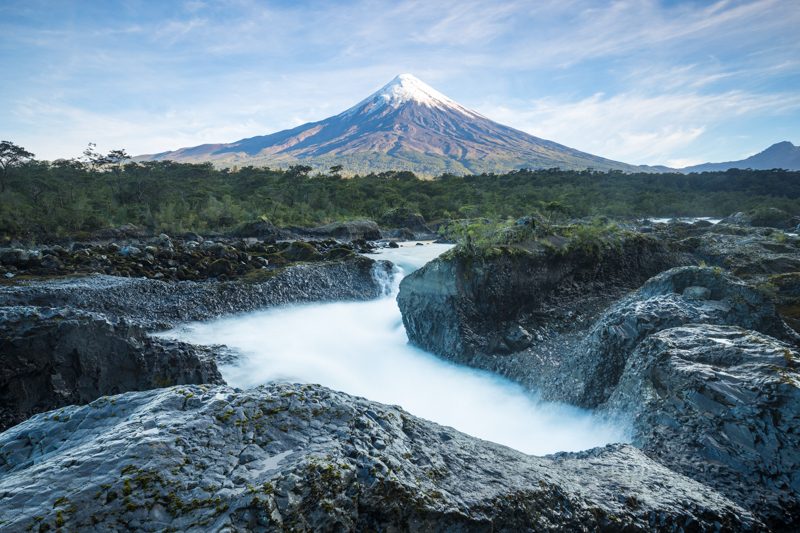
404,125
408,88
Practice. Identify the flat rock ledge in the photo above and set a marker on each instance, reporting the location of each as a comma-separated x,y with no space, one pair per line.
306,458
158,304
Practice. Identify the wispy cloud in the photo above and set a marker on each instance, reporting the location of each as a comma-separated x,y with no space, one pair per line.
634,127
640,80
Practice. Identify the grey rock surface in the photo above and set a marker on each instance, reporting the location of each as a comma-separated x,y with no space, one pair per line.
350,230
261,229
746,252
55,357
303,458
763,217
159,304
720,404
703,362
406,224
523,317
662,302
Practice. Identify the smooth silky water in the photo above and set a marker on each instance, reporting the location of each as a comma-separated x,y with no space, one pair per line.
361,348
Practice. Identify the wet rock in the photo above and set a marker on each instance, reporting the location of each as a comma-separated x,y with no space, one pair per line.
261,229
130,251
721,405
55,357
161,304
164,241
662,303
736,219
303,457
301,251
696,292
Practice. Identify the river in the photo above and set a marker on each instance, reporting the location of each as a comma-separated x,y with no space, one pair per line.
361,348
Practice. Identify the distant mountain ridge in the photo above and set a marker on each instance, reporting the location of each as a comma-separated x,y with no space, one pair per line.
405,125
783,155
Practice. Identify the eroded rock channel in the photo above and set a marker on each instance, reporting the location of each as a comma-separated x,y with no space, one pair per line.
674,330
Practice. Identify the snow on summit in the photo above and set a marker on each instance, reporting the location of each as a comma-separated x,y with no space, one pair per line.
406,88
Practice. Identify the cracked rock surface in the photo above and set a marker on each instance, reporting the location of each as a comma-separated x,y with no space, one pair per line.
302,457
720,404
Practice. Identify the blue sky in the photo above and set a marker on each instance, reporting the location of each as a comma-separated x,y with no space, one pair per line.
641,81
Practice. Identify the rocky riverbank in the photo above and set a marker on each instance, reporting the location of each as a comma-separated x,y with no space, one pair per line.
486,305
163,258
683,330
158,304
56,357
301,457
703,362
69,339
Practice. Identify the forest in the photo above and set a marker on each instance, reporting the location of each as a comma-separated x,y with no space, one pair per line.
41,199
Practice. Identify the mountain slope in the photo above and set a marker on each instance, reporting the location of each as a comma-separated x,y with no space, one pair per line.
780,155
406,125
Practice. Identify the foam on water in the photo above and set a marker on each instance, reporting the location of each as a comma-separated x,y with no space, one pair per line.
361,348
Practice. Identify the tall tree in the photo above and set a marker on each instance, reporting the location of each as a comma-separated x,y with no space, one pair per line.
11,155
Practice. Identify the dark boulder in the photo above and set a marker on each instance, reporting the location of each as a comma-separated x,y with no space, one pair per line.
349,230
762,217
261,229
289,457
126,231
56,357
466,301
721,405
401,218
337,253
18,257
301,251
403,234
685,295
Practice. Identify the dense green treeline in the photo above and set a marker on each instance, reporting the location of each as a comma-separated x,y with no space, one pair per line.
41,199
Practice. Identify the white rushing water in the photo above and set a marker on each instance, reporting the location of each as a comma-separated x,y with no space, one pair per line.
361,348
